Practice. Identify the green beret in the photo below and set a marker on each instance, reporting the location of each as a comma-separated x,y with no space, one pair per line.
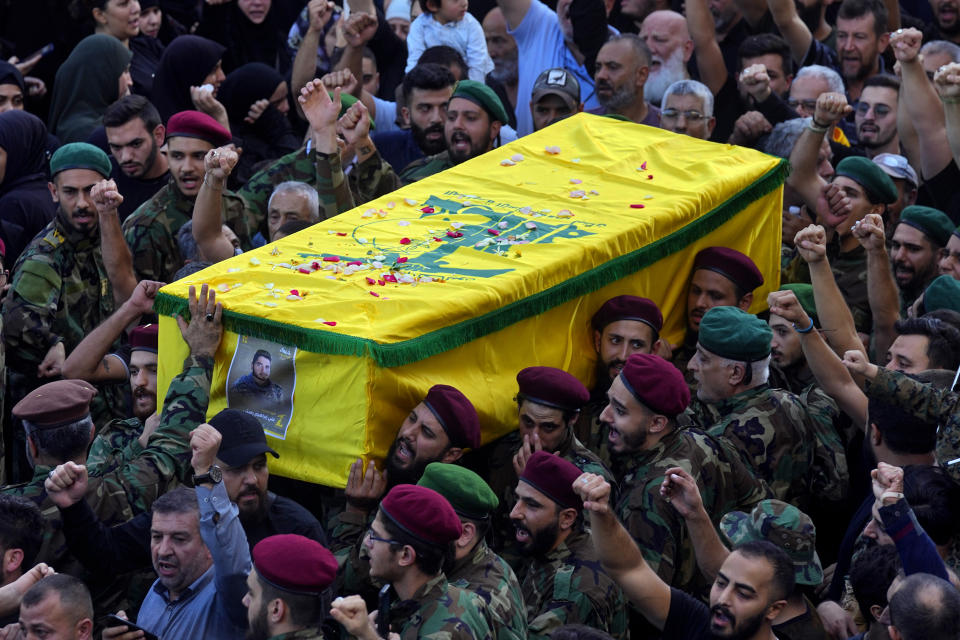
731,332
470,496
867,174
482,95
942,293
346,101
804,293
932,222
80,155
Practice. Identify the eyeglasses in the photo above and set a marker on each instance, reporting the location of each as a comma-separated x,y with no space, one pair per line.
375,538
689,116
879,110
808,105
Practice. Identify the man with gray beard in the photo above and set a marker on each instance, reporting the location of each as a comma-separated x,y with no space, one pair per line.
503,51
623,65
667,38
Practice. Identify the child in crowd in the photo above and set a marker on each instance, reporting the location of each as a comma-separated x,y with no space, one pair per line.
446,22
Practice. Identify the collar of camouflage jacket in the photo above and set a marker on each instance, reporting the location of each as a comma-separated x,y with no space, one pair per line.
432,589
631,463
741,400
78,240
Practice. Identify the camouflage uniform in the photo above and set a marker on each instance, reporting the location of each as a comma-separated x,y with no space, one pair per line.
441,611
503,481
489,576
682,356
59,293
772,432
353,559
151,230
940,406
116,442
117,492
849,272
590,431
426,167
568,586
831,476
372,178
725,485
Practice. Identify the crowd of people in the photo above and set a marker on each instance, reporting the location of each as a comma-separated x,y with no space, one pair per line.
791,475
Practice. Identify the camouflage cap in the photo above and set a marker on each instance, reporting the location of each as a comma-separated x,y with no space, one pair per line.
785,526
469,495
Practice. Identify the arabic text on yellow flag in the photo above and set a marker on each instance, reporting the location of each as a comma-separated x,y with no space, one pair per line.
467,277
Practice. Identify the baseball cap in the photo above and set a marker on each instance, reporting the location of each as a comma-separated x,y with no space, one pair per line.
896,166
558,82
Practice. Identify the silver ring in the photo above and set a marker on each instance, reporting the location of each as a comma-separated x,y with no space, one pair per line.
50,475
209,317
213,154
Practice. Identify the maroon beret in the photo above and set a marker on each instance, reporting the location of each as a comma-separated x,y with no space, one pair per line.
628,308
553,476
423,513
731,264
195,124
144,338
456,415
656,383
56,403
553,388
294,563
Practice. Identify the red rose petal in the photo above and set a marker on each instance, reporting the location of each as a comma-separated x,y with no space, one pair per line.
331,258
371,281
650,177
294,292
331,323
302,270
493,232
374,294
637,206
341,234
404,240
380,282
644,165
401,260
354,263
427,209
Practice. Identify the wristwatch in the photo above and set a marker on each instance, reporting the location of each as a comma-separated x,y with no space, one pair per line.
213,476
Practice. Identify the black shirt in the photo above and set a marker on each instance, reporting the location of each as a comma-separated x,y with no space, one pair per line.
688,618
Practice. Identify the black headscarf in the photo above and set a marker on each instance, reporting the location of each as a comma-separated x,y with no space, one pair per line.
186,61
9,74
24,137
246,41
251,82
86,84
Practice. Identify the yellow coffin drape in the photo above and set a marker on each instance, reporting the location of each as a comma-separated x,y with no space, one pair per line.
468,276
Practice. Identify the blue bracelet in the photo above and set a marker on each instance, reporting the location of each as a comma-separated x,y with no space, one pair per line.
807,330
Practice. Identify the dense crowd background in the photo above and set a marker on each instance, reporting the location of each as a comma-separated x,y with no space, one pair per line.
791,475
